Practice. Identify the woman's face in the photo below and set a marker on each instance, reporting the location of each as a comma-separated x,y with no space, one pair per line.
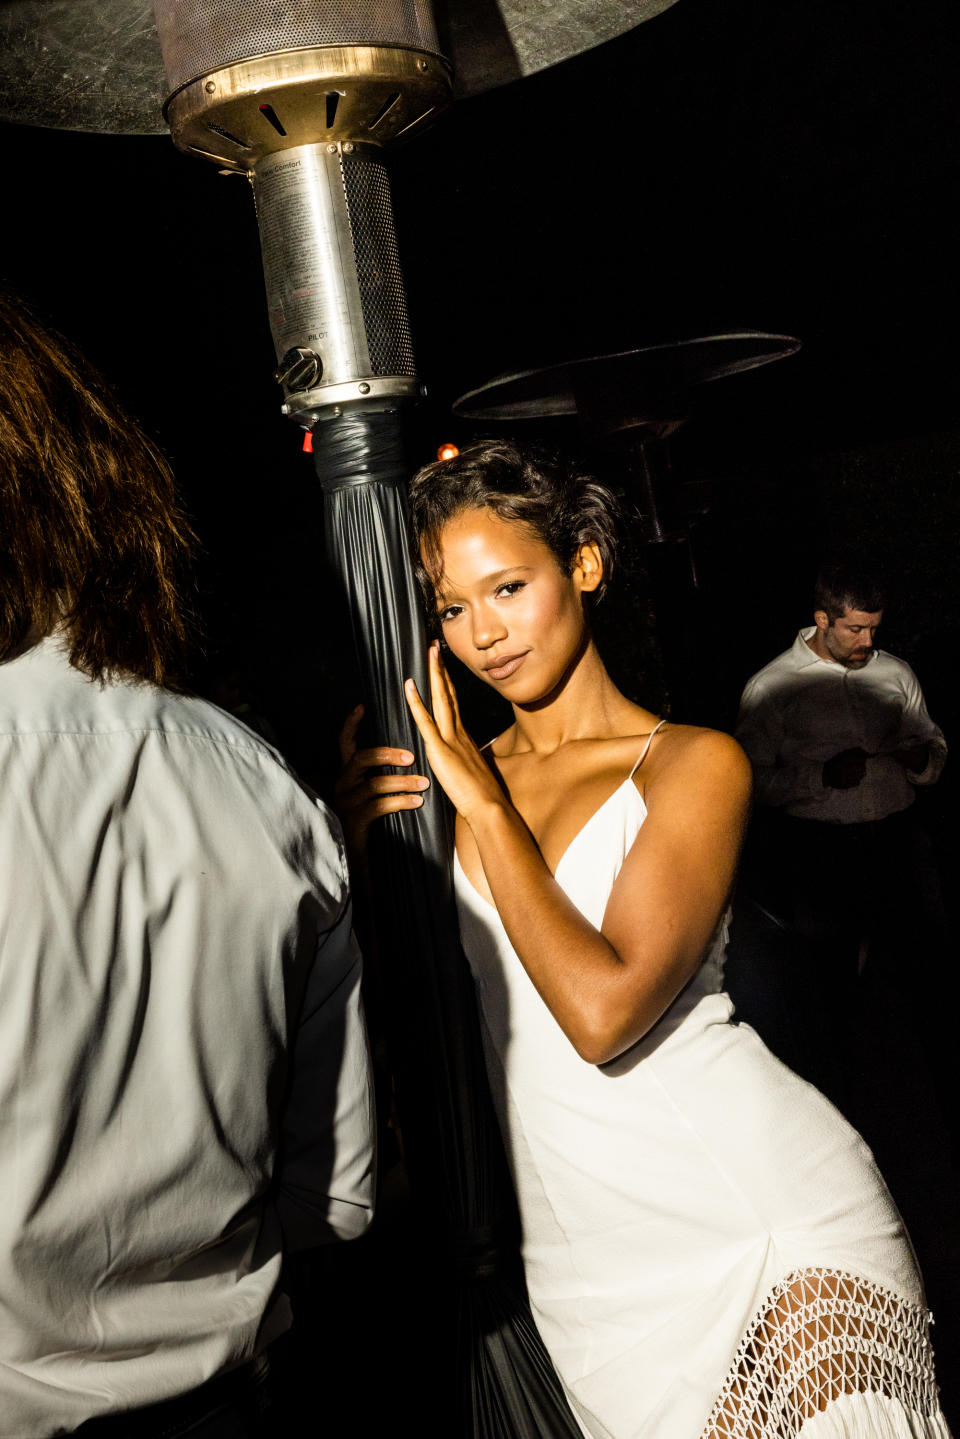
506,608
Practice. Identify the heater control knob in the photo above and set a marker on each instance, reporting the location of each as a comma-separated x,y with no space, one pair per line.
298,369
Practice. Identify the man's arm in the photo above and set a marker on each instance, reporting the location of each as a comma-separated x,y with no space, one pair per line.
921,747
760,731
325,1184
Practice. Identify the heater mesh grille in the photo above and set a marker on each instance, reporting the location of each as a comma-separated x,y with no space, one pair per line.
382,295
200,36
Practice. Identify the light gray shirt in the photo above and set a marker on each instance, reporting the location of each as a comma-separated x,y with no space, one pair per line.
184,1081
799,711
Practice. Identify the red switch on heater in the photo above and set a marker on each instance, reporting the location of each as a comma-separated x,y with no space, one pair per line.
308,442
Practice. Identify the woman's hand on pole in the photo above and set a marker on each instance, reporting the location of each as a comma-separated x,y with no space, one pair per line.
454,758
362,796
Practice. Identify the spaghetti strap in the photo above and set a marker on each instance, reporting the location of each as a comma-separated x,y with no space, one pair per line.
643,752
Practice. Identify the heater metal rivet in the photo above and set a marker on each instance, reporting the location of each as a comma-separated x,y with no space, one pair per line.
331,149
348,148
284,409
364,389
210,86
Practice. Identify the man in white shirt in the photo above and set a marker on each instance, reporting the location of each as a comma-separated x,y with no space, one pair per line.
840,738
184,1084
837,730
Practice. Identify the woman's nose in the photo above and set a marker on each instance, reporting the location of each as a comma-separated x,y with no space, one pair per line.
487,628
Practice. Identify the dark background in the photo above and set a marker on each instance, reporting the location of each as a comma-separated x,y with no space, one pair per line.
787,166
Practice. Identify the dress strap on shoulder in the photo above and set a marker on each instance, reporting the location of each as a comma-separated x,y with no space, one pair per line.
643,752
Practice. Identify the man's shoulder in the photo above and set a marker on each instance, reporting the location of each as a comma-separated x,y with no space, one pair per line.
891,676
188,717
787,662
44,698
41,693
182,754
893,664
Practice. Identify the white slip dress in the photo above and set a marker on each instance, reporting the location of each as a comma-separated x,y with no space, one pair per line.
709,1248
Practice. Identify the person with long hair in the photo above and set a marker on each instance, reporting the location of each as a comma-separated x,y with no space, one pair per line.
93,541
709,1248
184,1087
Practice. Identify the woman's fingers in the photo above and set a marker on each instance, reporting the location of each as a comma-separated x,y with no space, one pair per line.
357,818
362,796
390,804
382,784
446,711
388,783
422,717
445,720
450,688
363,760
348,734
439,702
381,754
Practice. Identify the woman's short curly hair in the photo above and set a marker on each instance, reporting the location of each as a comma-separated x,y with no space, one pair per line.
561,506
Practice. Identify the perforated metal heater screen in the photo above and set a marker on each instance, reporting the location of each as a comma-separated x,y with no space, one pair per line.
200,36
382,296
318,209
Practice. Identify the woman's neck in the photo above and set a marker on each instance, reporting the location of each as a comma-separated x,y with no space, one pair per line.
586,704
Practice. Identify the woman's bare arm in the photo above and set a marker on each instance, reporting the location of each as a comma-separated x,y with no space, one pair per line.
606,987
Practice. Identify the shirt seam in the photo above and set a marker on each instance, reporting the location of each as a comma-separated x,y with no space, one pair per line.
219,741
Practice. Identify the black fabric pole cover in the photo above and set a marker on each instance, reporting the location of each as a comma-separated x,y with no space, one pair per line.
506,1385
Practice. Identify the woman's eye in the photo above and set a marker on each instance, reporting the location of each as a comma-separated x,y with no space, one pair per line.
450,613
512,587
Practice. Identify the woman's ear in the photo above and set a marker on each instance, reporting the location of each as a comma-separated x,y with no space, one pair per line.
588,567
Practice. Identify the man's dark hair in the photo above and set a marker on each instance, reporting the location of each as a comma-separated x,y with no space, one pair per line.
563,508
841,587
92,538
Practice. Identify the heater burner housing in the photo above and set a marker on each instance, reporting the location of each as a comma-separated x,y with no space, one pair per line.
304,102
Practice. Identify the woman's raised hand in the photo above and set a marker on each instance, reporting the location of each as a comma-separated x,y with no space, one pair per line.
362,797
454,758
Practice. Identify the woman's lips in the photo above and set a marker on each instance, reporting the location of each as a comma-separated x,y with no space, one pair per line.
503,669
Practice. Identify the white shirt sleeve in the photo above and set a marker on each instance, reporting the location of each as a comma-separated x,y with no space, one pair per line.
916,727
760,730
325,1180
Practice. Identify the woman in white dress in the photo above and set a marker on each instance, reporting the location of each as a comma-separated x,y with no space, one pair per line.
710,1251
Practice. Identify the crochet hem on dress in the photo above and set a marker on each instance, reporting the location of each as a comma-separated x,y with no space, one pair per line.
831,1356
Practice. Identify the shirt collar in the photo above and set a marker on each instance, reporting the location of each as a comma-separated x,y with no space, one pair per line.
803,655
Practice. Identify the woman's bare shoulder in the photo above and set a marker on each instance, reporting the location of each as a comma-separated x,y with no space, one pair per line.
691,752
